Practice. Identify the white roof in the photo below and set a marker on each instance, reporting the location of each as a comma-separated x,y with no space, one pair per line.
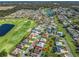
41,44
63,51
43,39
59,43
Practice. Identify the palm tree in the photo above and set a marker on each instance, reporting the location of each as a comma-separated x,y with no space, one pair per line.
3,53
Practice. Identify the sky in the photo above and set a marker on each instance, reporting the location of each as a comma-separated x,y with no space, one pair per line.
39,0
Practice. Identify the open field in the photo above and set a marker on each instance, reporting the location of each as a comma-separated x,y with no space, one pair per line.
6,7
21,29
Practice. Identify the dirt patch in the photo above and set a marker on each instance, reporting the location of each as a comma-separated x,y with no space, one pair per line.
6,7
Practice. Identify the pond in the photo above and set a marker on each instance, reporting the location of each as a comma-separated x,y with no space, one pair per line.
4,28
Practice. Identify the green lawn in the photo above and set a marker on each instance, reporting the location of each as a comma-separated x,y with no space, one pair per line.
16,34
67,37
